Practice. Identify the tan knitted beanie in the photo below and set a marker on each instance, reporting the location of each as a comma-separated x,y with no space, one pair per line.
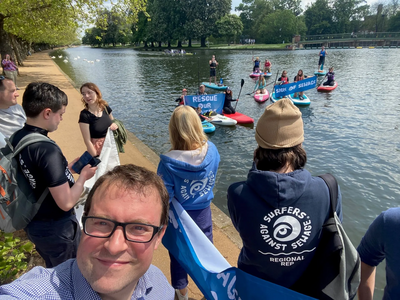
280,126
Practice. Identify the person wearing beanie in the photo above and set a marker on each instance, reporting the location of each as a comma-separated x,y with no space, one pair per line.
228,108
280,208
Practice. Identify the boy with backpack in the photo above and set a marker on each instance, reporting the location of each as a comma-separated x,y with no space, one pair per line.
54,229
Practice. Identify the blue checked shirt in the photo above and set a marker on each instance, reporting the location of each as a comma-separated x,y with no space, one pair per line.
67,282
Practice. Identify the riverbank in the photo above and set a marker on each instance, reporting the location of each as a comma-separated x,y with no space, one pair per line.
40,67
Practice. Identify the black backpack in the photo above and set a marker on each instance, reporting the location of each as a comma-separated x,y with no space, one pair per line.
334,272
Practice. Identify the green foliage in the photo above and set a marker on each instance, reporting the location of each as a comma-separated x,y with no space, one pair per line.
229,26
394,23
319,17
13,256
279,26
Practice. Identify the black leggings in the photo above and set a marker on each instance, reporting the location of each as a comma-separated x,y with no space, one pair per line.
331,83
229,109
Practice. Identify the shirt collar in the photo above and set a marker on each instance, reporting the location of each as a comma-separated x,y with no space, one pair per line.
36,129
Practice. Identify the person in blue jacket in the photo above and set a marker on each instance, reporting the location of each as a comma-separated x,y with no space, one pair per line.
280,208
189,171
321,60
381,241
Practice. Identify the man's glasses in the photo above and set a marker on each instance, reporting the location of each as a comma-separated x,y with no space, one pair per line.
133,232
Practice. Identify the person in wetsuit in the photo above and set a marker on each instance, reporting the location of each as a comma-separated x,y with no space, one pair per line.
321,61
228,109
213,73
330,77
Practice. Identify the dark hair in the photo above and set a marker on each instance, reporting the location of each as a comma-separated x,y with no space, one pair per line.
39,96
131,177
276,159
2,86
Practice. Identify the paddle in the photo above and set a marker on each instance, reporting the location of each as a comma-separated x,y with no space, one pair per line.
256,90
241,85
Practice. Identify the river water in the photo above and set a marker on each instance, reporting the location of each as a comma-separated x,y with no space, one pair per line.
352,132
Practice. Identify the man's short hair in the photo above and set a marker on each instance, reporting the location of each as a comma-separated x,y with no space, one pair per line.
40,95
2,86
132,178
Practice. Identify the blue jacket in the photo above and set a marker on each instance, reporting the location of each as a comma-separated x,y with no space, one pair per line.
191,185
279,218
382,241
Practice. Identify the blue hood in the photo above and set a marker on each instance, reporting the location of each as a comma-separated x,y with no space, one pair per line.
190,185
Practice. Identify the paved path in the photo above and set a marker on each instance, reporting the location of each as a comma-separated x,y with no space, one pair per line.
40,67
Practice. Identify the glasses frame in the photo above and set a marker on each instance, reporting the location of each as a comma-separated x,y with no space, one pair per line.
2,77
156,229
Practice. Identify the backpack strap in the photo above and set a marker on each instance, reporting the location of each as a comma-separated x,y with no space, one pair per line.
332,184
28,140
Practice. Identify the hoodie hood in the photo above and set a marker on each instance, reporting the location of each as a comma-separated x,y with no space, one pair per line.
277,189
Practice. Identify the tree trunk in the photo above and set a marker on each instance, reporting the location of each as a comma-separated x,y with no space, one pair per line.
152,44
5,46
159,44
190,43
203,42
169,44
179,44
16,49
145,44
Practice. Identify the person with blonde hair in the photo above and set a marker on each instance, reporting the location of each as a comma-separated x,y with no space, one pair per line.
95,118
260,85
189,171
256,67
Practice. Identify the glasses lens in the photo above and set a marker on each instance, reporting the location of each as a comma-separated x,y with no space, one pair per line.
139,232
98,227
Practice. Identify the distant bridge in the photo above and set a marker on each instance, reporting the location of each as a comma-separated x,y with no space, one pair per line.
349,40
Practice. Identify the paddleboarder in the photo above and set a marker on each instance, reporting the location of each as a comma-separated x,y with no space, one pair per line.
180,100
256,67
321,61
260,85
331,77
283,79
228,108
213,65
300,76
267,66
201,90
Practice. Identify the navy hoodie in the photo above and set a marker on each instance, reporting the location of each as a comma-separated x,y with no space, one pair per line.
279,218
191,185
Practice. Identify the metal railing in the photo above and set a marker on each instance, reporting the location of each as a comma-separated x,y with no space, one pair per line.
352,36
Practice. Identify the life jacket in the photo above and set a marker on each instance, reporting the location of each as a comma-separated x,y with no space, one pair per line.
213,64
268,64
331,76
322,53
284,80
256,63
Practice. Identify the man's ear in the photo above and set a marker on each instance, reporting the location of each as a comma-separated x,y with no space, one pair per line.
46,113
159,237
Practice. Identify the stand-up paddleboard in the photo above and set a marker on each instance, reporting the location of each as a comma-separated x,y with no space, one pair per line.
320,73
208,127
261,97
296,101
222,120
266,74
327,88
214,86
240,118
256,75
